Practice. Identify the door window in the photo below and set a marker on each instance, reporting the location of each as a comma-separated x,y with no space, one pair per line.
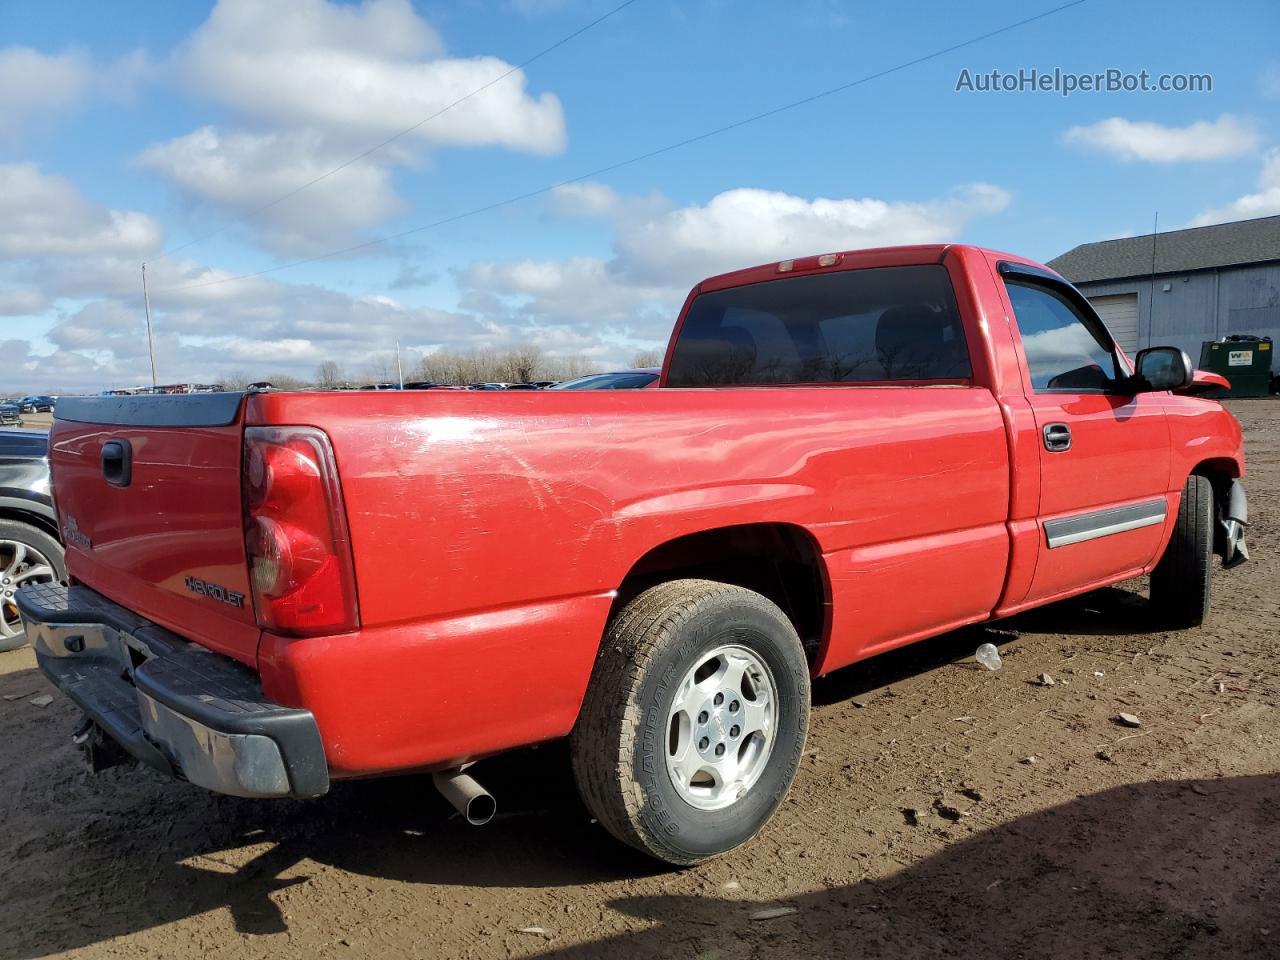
1065,351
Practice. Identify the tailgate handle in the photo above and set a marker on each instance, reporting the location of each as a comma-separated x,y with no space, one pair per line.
117,462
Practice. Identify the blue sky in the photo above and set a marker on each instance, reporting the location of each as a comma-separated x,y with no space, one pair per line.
133,131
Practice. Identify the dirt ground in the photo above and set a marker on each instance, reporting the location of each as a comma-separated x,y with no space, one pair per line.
942,811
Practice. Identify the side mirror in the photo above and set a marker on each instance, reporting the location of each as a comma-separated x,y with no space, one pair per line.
1162,368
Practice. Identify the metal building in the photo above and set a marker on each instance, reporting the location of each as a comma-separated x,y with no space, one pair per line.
1183,287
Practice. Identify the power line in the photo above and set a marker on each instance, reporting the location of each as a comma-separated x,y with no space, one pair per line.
403,133
600,171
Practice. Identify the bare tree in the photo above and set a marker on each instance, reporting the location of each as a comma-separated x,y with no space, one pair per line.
381,368
567,368
235,381
520,365
329,375
651,357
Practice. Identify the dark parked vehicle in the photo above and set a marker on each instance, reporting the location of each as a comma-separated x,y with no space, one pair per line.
617,380
10,412
38,404
29,547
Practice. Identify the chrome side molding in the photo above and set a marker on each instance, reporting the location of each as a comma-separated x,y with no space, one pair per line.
1103,523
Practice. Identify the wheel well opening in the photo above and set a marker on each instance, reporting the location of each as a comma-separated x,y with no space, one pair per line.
41,523
777,560
1220,473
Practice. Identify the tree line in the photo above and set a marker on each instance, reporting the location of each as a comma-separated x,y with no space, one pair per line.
457,368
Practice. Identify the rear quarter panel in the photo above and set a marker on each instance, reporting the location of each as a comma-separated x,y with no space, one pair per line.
490,531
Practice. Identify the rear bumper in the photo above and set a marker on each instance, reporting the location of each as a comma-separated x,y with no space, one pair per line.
175,706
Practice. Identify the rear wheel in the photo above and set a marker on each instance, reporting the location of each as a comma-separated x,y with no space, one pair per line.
1180,581
27,555
695,720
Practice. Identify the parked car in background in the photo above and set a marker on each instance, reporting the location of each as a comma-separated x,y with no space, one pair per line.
846,453
10,412
29,547
38,404
617,380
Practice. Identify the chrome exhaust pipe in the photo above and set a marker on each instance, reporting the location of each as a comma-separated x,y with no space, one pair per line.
467,797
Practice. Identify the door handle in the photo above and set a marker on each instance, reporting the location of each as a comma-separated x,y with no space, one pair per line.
1057,437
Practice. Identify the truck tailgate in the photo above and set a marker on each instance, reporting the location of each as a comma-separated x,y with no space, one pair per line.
148,497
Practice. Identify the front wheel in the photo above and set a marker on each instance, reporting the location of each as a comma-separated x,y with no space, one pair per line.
1180,581
694,722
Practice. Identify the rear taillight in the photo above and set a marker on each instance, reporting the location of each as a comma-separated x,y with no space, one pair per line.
296,538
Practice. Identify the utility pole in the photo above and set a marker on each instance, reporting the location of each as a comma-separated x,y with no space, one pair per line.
1151,314
151,347
399,369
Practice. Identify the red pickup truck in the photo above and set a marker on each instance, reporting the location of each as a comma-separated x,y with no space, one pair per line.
846,453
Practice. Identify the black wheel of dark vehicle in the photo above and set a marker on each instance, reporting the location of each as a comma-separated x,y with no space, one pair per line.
1180,581
694,721
27,555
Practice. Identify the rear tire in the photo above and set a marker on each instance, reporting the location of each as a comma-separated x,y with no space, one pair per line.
1180,581
644,716
27,555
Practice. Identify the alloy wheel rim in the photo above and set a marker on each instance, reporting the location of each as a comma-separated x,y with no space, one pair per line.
20,563
721,727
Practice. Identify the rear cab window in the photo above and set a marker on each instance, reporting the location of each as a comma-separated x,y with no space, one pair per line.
863,326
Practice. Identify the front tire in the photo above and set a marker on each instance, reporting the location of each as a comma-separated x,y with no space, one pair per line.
27,555
694,722
1180,582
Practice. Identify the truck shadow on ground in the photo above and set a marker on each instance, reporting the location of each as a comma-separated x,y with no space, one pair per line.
1186,868
127,850
1110,612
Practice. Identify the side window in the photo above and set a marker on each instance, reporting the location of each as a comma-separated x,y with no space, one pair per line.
1063,351
853,326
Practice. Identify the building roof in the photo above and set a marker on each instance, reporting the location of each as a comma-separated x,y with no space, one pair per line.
1177,251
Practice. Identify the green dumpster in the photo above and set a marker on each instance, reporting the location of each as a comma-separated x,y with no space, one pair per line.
1242,359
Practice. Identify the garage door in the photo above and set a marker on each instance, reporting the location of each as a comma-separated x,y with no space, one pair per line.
1120,314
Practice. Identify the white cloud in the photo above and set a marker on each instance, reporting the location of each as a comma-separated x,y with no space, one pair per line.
45,215
33,83
362,71
82,259
661,251
241,172
21,302
1228,136
37,87
741,227
1264,203
312,83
